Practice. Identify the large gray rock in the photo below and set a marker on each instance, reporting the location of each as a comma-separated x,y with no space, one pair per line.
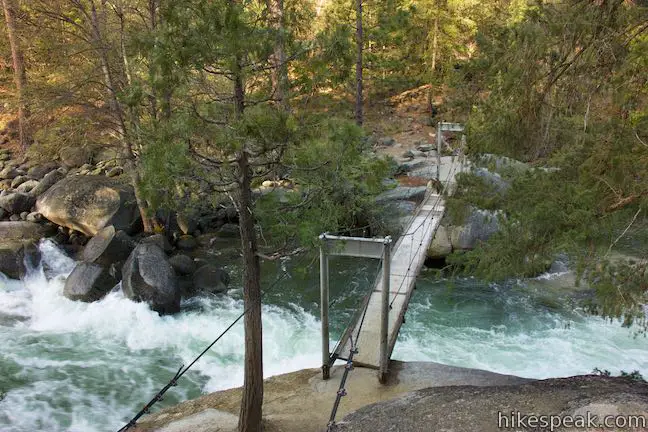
148,277
73,157
28,186
441,245
478,227
90,203
210,279
408,166
49,180
108,247
39,171
9,173
23,231
500,163
18,245
159,240
16,257
182,264
187,243
493,409
16,202
88,282
492,179
18,181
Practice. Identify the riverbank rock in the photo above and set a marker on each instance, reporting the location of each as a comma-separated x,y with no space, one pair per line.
160,240
498,163
210,279
73,157
17,245
27,187
88,282
478,227
489,409
49,180
441,245
16,257
182,264
107,247
148,277
39,171
23,231
16,202
90,203
300,401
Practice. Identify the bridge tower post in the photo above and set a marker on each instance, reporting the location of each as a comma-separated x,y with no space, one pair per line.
324,308
384,315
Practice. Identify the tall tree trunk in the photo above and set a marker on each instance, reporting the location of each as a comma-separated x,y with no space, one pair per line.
130,163
250,415
435,42
278,58
20,77
250,418
359,115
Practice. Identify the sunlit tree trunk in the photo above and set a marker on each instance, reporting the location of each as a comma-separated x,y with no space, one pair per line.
250,416
359,115
278,58
20,76
130,165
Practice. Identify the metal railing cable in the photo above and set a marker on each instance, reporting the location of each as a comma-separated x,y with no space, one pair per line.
183,370
411,234
354,342
348,367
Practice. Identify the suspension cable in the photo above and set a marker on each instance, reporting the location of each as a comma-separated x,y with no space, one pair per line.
182,370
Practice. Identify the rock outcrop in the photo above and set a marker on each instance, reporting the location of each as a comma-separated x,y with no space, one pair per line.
148,277
90,203
88,282
492,409
477,227
16,202
108,247
100,269
18,244
210,279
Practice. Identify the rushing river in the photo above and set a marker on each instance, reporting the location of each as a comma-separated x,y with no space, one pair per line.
72,366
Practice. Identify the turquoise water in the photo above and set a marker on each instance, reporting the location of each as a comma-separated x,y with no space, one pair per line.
71,366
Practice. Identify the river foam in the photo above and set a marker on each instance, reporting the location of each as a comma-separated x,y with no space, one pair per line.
73,366
87,366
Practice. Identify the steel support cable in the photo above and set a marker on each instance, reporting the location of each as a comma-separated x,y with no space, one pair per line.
182,370
348,367
437,201
354,350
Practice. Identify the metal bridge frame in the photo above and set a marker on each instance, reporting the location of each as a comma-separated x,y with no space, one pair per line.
449,127
357,247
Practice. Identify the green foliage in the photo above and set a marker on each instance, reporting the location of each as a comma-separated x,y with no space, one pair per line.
634,375
621,287
48,142
336,184
472,190
164,163
554,84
